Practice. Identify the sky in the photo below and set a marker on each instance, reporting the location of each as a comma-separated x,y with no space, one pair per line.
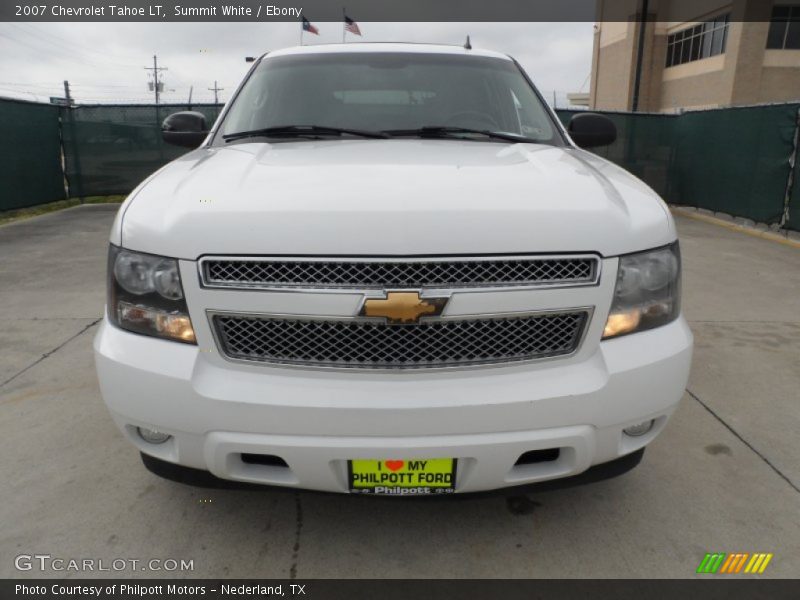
105,62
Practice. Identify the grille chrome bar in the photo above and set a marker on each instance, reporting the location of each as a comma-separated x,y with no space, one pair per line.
370,344
385,273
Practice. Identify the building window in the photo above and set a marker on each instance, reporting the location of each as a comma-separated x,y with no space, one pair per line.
784,28
701,41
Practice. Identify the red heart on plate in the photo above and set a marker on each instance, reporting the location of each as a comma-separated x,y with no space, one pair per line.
394,465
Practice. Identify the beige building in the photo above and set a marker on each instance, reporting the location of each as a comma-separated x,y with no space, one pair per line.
731,53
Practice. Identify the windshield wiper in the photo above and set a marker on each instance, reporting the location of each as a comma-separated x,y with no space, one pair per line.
445,131
301,130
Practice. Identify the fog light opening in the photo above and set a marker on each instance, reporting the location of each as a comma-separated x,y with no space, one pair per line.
268,460
640,429
538,456
151,436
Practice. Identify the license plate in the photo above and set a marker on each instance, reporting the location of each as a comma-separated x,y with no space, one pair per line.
413,477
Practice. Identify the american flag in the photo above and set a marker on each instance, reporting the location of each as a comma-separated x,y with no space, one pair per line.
307,26
351,26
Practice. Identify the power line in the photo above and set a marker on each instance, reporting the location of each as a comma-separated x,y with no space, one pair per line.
40,51
72,43
62,49
8,91
72,47
107,86
48,86
29,83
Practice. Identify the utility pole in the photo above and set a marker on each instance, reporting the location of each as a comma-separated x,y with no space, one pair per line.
156,73
156,89
76,159
191,89
216,89
66,93
637,81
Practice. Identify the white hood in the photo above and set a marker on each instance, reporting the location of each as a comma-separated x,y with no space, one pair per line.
391,197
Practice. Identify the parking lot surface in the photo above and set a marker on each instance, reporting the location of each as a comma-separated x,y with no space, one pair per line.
723,477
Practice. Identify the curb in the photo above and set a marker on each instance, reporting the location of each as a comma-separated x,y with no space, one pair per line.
733,226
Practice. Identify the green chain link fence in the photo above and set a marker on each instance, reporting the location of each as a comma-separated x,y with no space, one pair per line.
735,160
732,160
645,145
794,201
30,155
110,149
793,207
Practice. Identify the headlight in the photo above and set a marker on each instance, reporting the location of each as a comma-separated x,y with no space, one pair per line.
647,293
145,295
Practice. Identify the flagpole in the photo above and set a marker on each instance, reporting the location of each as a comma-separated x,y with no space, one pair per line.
344,23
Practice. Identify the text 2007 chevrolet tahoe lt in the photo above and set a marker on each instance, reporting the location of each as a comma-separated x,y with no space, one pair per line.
388,269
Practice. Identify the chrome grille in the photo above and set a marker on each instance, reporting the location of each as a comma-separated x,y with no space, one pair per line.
388,274
374,344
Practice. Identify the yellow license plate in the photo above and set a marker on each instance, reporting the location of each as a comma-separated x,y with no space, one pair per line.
407,477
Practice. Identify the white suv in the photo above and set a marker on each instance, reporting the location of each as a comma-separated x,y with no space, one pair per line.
388,269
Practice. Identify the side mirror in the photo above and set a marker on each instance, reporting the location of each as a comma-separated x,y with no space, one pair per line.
187,128
588,130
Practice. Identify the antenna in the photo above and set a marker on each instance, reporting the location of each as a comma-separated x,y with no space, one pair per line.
468,45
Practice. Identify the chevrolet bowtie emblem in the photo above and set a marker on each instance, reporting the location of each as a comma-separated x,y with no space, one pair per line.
403,307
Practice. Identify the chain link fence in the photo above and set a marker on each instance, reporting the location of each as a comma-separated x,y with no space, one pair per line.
645,145
740,161
30,154
110,149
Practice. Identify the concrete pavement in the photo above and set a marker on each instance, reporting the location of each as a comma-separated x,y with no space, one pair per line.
724,476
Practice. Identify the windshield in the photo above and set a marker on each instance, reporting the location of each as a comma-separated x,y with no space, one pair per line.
391,92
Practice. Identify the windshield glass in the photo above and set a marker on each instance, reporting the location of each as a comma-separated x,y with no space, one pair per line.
390,91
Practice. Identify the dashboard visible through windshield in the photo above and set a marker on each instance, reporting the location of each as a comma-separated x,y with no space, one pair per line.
396,93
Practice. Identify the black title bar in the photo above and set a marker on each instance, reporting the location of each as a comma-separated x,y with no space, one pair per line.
710,588
360,10
292,10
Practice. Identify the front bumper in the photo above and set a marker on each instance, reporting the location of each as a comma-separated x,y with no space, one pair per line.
205,479
318,420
